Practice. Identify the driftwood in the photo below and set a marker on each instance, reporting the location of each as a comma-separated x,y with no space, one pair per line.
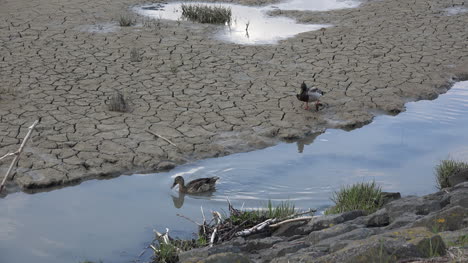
256,228
239,223
304,218
164,138
17,154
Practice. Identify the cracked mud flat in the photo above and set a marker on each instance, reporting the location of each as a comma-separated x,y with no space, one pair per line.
209,97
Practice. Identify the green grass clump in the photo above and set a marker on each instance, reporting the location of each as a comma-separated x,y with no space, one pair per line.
207,14
253,217
447,168
359,196
167,253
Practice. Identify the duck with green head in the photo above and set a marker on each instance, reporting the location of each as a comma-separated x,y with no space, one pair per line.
196,186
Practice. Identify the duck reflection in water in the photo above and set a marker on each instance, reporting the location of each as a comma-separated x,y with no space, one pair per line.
180,198
306,141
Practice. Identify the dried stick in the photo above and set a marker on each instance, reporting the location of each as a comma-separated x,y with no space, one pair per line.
164,138
188,219
18,153
8,154
256,228
204,220
292,220
217,217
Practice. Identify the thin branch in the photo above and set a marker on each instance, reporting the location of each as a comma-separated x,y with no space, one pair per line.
188,219
164,138
20,150
8,154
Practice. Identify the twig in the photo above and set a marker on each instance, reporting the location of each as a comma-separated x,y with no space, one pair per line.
188,219
217,217
291,220
20,150
8,154
204,220
213,236
164,138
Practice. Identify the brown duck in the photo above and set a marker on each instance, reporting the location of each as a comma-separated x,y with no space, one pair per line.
310,95
196,186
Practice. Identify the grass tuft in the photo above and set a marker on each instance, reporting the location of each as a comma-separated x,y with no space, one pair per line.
126,20
207,14
445,169
117,103
359,196
135,55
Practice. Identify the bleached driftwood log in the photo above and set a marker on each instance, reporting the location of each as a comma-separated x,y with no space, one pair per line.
256,228
17,154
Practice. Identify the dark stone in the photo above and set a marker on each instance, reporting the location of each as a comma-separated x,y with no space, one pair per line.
326,221
378,219
387,197
460,177
337,230
228,257
416,205
288,229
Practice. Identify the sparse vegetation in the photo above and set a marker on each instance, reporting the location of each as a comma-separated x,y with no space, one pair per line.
117,103
359,196
207,14
222,228
447,168
126,20
135,55
150,22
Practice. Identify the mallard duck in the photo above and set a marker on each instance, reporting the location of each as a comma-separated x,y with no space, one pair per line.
308,95
196,186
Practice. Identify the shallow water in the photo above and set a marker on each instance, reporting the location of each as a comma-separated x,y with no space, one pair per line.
112,220
261,29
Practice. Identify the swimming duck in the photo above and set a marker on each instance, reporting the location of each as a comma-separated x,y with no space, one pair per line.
308,95
196,186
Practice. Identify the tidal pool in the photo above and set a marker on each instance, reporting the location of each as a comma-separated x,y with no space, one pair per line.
112,220
252,25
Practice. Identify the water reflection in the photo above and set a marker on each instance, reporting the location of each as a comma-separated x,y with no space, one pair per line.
89,221
306,141
250,25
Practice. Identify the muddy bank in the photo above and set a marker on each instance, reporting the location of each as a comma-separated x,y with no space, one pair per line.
209,97
431,228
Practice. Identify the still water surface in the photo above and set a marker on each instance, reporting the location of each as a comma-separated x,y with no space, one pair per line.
250,24
112,220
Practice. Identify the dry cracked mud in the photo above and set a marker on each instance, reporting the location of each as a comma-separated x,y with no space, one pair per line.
62,61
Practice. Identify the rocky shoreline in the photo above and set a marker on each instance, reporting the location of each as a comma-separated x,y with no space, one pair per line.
431,228
209,97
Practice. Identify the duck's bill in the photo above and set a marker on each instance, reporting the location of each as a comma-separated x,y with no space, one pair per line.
173,185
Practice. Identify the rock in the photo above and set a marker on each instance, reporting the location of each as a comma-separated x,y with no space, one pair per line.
197,254
451,219
326,221
455,238
416,205
378,219
227,257
403,220
288,230
390,247
387,197
460,177
337,230
281,249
